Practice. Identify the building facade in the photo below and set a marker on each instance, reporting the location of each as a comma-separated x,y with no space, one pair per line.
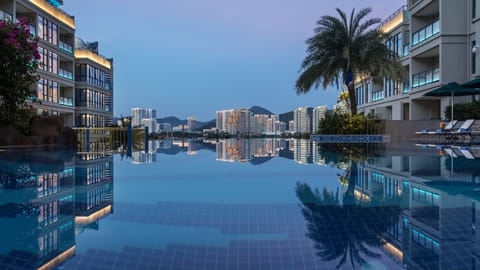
318,114
302,120
93,86
235,122
138,114
436,48
84,99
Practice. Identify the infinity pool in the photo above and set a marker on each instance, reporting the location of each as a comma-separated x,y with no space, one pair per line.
241,204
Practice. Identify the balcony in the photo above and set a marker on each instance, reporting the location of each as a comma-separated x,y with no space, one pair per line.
65,74
426,77
406,50
378,95
426,33
66,101
5,16
405,87
65,46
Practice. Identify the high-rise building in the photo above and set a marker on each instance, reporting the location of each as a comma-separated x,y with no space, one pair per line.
192,123
151,124
93,86
235,121
318,115
302,120
138,114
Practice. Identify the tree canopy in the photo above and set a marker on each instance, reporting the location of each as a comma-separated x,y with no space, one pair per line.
18,65
343,48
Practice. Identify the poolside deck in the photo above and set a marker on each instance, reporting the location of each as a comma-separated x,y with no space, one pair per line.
453,136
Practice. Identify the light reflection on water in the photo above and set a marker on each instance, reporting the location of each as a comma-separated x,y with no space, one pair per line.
241,204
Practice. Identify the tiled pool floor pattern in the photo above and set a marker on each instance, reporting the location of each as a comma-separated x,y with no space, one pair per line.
294,251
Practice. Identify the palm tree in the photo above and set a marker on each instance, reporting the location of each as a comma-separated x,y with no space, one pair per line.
343,48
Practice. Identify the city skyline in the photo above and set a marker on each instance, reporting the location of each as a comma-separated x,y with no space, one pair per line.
236,55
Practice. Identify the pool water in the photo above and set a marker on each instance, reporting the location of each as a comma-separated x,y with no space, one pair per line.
241,204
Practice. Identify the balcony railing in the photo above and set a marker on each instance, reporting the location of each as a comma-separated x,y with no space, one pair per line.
405,87
426,32
406,50
426,77
378,95
66,101
65,74
5,16
65,46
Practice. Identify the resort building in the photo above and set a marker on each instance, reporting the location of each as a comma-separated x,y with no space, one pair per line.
436,43
55,30
93,86
75,82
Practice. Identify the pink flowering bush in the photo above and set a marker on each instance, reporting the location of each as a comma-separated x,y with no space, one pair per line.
18,65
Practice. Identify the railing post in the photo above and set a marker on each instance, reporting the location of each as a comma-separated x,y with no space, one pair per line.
146,139
129,140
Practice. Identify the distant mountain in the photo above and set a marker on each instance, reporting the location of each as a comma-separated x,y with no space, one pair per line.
173,120
206,125
286,117
260,110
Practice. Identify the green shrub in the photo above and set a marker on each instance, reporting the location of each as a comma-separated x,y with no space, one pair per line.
463,111
342,123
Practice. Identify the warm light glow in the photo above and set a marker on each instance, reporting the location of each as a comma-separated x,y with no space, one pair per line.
95,216
395,252
361,196
191,153
55,12
391,24
55,262
93,57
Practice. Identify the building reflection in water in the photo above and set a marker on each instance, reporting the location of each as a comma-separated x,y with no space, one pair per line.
436,228
46,198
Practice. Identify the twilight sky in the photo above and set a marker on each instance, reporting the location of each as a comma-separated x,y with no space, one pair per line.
191,58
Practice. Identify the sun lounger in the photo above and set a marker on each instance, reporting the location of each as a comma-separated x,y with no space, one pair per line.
450,152
465,127
447,128
466,153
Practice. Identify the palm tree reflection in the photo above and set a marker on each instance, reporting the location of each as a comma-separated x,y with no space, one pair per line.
343,227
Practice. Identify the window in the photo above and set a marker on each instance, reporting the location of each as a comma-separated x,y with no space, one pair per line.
47,30
474,9
47,90
90,74
474,58
48,60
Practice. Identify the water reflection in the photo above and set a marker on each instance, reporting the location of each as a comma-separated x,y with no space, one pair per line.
427,215
45,198
412,207
254,151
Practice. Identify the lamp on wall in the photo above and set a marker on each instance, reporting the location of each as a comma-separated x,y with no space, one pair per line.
475,48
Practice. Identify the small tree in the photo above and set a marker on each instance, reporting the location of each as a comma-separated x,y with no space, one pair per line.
18,65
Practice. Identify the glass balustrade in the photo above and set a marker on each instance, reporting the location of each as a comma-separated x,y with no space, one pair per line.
65,46
65,74
426,77
66,101
426,33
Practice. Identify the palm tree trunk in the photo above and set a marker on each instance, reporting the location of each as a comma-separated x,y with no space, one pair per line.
353,98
